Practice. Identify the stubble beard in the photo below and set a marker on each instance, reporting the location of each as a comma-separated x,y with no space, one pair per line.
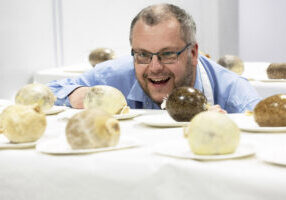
189,76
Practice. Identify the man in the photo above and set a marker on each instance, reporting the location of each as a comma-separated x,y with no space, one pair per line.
164,56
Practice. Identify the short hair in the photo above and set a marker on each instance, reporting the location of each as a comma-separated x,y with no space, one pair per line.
154,14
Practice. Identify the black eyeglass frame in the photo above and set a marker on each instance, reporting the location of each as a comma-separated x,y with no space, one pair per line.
159,54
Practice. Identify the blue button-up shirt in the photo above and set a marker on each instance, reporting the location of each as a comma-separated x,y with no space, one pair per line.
232,92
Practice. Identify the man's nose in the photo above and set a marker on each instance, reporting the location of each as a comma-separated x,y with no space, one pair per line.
155,64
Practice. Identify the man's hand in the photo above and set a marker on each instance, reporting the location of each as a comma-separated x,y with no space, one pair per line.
77,96
217,108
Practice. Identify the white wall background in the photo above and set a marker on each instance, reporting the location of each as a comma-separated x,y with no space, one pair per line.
88,24
40,34
262,30
26,42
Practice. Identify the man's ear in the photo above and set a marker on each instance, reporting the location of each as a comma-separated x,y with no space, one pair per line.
194,54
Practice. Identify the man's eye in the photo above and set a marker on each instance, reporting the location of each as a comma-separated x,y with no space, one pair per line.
143,54
168,54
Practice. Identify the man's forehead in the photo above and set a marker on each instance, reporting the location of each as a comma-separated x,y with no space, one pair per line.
164,27
164,35
165,21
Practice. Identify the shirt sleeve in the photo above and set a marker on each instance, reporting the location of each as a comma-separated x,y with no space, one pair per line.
242,97
62,88
232,92
118,73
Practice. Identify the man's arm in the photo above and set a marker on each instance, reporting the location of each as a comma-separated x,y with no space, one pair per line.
70,92
63,88
77,96
233,93
217,108
242,97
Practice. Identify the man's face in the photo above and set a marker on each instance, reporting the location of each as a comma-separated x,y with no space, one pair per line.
158,79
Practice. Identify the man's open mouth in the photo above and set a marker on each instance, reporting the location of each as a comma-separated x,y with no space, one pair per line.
159,80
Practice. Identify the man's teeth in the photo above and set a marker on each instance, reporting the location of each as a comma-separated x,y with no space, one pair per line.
159,80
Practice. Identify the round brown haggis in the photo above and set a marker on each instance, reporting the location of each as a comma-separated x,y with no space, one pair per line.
276,71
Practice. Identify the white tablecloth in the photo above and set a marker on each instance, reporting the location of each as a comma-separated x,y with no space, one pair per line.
256,73
47,75
138,173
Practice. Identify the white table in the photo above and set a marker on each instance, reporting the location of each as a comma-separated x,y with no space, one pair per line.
255,72
138,173
266,89
47,75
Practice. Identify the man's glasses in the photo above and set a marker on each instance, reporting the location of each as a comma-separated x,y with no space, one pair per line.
168,57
